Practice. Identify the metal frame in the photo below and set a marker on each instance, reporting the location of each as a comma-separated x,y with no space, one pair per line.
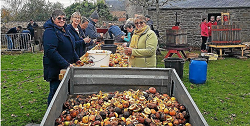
87,80
16,42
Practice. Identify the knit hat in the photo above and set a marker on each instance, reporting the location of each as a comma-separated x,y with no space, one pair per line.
147,16
94,15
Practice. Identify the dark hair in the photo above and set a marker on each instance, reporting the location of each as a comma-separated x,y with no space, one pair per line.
84,19
57,13
129,25
147,16
203,19
20,27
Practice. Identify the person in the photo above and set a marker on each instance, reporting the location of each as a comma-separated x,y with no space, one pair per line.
204,34
91,29
123,29
142,49
31,27
59,52
84,24
130,28
75,29
24,41
209,24
9,38
149,22
116,31
218,20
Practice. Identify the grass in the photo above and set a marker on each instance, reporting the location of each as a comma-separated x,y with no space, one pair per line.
224,99
23,90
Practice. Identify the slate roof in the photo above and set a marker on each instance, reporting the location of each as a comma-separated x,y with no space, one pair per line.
206,4
116,5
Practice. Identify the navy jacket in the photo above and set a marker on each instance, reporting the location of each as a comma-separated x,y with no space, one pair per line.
12,30
115,30
59,50
31,28
91,30
79,42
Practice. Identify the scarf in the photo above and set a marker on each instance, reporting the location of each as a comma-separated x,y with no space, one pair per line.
136,36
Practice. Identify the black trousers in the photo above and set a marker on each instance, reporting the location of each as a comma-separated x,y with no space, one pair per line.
203,44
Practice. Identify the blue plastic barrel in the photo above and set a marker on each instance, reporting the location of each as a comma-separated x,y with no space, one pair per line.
198,71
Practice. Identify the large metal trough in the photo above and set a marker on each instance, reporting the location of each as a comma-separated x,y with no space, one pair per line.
80,80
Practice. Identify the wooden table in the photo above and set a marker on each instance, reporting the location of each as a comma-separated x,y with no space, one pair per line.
177,51
227,46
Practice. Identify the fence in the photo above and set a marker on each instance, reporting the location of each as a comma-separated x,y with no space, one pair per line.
16,42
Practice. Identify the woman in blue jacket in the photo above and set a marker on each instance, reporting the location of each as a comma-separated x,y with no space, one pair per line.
59,52
130,28
79,36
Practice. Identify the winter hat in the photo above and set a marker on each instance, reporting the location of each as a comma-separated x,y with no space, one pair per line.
147,16
94,15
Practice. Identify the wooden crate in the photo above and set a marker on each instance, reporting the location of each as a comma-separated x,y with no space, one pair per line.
226,34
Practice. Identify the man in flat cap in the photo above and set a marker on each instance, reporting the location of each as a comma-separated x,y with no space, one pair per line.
91,29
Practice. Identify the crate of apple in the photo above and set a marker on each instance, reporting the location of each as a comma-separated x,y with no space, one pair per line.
125,108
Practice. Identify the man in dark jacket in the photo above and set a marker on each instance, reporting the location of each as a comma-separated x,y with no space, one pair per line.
59,52
31,27
11,37
91,29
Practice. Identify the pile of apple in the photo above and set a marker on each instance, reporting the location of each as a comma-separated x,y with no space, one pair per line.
118,60
127,108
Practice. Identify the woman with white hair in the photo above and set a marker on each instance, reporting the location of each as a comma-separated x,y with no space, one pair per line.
75,29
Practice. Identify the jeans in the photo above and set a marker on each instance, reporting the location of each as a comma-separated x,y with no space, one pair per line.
53,87
10,43
210,39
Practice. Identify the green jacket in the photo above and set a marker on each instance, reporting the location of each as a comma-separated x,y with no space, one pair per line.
145,54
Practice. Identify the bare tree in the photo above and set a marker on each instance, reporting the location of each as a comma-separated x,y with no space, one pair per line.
14,6
146,4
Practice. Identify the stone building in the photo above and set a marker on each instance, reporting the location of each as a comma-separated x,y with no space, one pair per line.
190,13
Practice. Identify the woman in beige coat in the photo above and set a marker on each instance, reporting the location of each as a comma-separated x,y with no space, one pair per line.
142,50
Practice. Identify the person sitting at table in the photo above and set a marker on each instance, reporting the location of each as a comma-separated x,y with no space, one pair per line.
116,31
75,29
91,29
142,49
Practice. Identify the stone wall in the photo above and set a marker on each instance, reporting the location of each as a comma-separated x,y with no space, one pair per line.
190,20
6,26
